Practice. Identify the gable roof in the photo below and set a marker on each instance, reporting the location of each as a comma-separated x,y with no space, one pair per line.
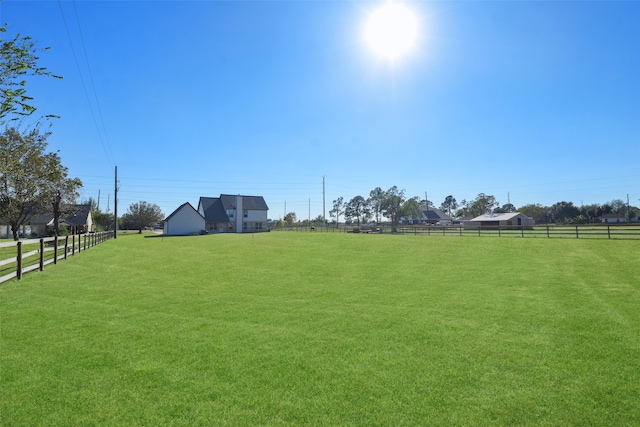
435,214
78,215
212,209
184,205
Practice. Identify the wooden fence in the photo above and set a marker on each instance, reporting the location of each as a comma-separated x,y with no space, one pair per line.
583,231
18,258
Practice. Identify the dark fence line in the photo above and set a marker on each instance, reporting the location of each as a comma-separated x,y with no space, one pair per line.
604,231
24,256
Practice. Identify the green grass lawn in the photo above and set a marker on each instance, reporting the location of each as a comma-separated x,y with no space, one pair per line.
326,329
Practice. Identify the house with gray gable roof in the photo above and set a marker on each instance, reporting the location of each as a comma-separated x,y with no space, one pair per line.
225,214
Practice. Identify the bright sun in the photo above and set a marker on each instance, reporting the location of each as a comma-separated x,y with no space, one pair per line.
391,30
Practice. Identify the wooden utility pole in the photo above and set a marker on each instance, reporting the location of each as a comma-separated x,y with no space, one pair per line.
115,207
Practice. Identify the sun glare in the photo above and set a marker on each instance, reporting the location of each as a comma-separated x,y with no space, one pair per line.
391,30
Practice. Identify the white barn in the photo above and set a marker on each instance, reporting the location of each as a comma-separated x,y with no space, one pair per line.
502,220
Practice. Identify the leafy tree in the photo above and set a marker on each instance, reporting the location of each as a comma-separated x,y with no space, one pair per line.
141,215
376,196
507,208
483,204
412,208
449,205
18,60
391,206
64,192
103,219
31,180
317,221
539,213
591,212
357,208
290,219
337,210
562,212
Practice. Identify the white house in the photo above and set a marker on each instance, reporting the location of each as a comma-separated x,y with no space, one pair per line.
224,214
234,213
503,220
184,221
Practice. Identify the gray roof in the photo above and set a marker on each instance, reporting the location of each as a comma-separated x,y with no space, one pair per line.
215,208
75,215
78,215
252,203
435,214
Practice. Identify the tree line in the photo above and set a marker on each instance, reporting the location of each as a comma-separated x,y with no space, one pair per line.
392,205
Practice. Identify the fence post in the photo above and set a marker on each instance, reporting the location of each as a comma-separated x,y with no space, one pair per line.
577,237
479,227
609,231
499,231
19,260
41,254
66,246
55,249
547,230
522,231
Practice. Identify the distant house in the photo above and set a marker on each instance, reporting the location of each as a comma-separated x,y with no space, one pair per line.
78,220
184,221
503,220
612,218
224,214
430,216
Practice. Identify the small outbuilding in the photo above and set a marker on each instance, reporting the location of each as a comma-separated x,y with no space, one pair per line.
502,220
184,221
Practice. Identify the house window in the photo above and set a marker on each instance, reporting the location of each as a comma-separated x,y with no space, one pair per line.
245,213
244,225
231,213
258,226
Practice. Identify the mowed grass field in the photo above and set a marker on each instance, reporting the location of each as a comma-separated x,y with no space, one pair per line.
326,329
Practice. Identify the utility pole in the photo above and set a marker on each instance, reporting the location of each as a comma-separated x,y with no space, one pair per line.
309,212
115,206
324,218
98,206
628,209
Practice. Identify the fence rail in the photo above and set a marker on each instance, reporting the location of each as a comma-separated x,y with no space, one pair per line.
584,231
19,258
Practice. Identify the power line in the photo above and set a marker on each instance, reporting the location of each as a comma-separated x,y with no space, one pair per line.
93,86
84,86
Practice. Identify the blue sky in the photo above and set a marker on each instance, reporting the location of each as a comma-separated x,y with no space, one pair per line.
538,100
